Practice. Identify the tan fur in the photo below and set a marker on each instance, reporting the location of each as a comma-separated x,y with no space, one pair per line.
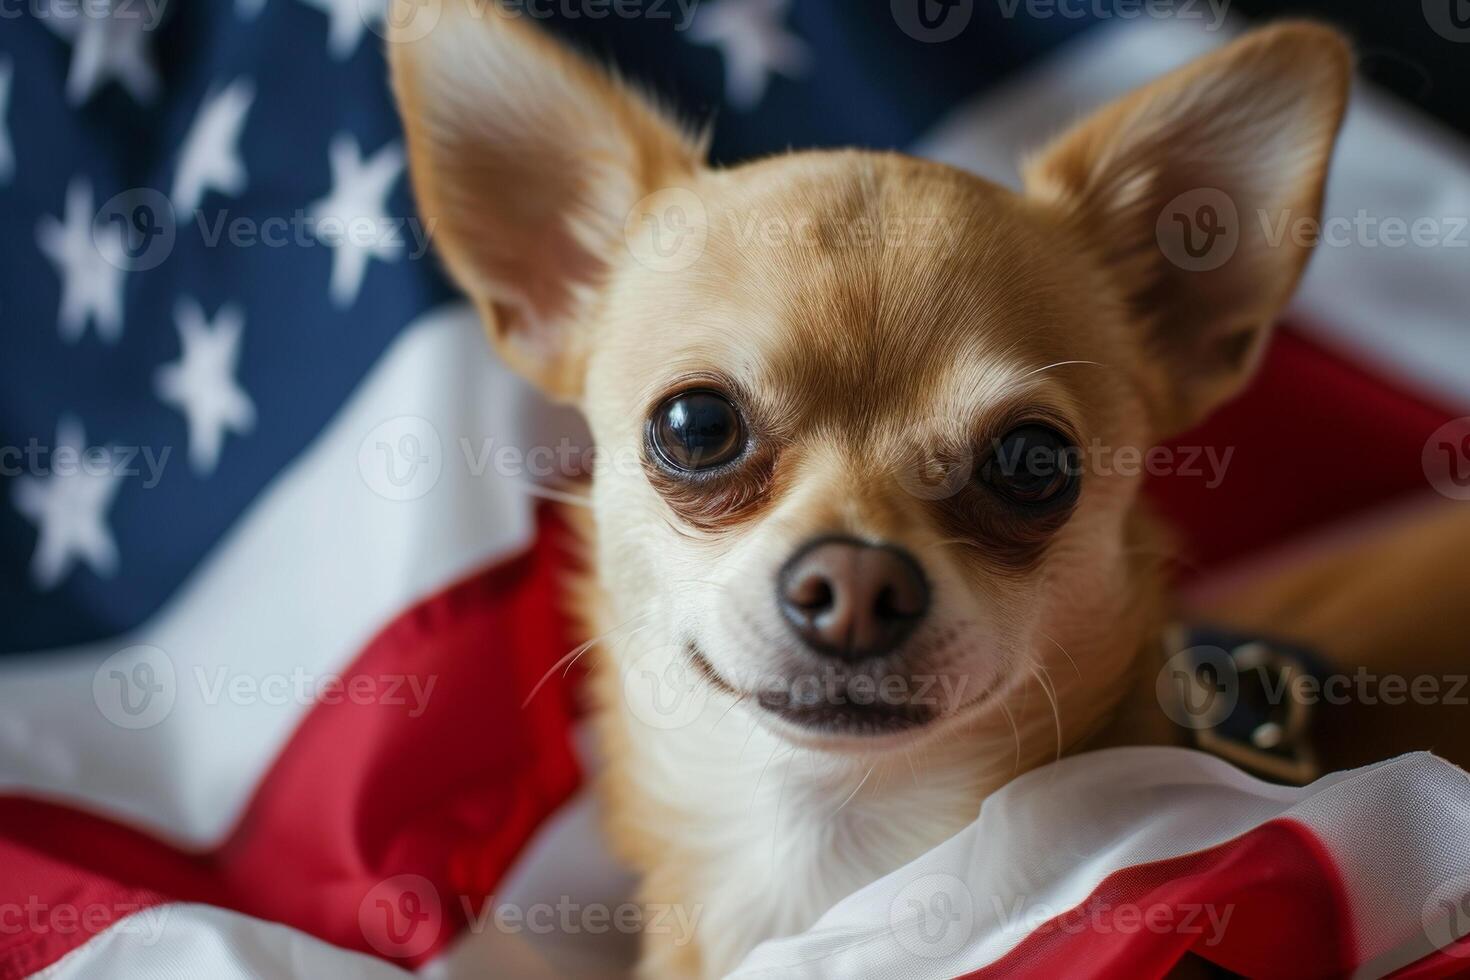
870,314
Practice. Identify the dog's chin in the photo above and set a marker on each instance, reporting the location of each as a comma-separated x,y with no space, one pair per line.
840,719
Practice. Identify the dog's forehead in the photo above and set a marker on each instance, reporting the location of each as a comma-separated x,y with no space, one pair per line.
830,278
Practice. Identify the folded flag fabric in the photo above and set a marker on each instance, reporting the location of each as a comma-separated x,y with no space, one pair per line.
1116,863
1109,864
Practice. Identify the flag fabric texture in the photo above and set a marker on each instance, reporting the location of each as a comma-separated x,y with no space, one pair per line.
277,582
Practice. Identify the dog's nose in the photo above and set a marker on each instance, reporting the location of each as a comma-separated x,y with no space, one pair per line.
850,599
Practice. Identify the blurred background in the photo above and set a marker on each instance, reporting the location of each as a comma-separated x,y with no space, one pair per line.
253,451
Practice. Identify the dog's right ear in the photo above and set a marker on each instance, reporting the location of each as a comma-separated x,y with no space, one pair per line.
526,161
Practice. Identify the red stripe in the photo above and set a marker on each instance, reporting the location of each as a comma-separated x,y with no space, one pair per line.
362,792
49,906
1314,439
1275,893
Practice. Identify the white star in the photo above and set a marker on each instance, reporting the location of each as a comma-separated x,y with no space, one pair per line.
104,48
210,158
346,20
201,383
89,258
353,219
69,507
7,154
755,45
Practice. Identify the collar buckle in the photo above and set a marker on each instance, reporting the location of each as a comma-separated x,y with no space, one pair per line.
1247,699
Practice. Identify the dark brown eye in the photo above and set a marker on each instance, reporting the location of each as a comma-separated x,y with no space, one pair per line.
1032,465
697,430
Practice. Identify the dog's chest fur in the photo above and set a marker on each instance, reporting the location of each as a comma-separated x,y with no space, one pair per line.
757,838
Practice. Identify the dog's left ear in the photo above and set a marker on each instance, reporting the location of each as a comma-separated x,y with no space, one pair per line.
1194,191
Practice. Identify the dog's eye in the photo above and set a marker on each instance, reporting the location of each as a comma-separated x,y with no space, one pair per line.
697,430
1032,464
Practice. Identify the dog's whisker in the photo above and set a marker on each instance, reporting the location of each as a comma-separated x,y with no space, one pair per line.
622,639
1056,364
551,493
755,792
1015,732
1064,652
854,792
1038,671
909,758
749,732
567,659
727,711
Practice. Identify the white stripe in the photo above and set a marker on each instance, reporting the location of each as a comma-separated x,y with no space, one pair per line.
1042,844
187,942
1402,306
312,570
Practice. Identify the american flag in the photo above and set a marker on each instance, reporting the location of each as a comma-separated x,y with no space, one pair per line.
273,614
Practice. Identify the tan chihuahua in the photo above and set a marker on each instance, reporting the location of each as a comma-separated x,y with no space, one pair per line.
852,386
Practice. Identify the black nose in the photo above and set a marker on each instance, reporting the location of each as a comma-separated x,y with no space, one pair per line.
852,600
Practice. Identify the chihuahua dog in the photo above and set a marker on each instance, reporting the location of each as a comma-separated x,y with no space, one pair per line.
845,517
